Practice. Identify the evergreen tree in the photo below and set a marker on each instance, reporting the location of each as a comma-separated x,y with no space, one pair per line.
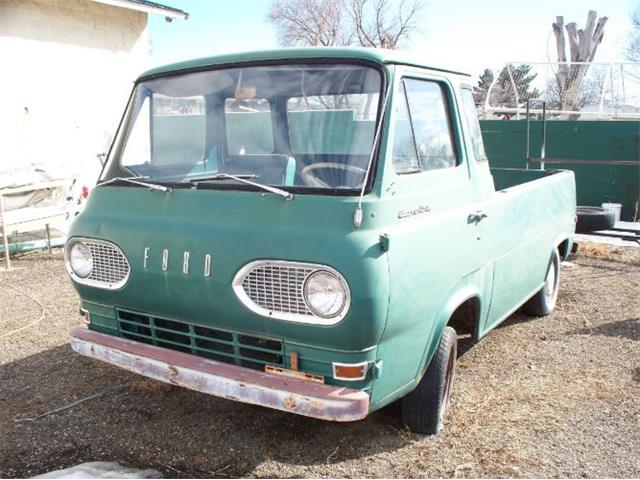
523,77
520,76
484,82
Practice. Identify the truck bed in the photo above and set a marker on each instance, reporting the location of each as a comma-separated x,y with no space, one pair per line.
510,177
531,213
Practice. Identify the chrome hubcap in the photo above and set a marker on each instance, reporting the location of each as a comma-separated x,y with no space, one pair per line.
551,282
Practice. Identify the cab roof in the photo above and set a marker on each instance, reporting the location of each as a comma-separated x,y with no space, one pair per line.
375,55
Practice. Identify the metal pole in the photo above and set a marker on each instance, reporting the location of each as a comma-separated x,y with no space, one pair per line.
488,95
601,106
515,92
623,100
528,136
544,134
611,82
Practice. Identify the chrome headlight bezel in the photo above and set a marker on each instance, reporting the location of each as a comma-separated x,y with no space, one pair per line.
305,316
97,278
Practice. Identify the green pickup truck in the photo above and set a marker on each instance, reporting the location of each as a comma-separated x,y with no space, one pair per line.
309,230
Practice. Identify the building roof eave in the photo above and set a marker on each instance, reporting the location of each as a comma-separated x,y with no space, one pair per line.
147,7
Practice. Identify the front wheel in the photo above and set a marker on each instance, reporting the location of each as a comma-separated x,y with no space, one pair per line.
543,302
423,409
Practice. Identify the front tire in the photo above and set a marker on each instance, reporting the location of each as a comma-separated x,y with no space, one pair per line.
424,408
544,302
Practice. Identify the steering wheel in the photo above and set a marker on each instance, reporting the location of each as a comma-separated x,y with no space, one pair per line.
309,177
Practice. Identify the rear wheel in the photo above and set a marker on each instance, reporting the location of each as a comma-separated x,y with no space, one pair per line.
543,302
424,408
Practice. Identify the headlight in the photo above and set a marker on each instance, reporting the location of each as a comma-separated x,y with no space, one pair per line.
80,259
325,294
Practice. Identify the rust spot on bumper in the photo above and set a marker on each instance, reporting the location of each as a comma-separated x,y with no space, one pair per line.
290,402
311,399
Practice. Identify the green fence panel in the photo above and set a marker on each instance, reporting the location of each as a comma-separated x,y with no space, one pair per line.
321,132
250,132
181,138
178,139
592,143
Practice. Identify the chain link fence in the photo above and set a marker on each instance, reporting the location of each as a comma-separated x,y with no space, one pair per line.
577,91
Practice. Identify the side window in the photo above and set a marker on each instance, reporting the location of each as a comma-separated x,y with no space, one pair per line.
138,147
429,121
405,154
177,130
172,135
469,107
249,127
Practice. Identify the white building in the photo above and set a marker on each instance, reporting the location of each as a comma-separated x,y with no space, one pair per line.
67,68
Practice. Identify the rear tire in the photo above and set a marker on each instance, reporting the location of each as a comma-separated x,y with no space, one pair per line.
543,302
424,408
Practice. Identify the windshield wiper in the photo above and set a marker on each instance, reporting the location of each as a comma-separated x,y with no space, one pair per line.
243,179
221,176
135,181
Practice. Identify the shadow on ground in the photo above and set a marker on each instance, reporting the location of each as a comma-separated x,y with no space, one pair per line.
466,341
151,425
628,328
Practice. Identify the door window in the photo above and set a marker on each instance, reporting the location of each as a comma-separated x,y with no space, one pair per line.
470,113
428,121
405,155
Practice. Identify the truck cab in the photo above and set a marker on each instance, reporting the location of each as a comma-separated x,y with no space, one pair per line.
305,229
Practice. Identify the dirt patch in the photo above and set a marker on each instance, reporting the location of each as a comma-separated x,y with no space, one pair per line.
538,397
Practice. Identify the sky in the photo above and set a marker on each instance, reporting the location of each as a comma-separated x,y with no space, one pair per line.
465,35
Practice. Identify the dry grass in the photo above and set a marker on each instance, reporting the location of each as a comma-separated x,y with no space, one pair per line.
557,396
608,252
599,250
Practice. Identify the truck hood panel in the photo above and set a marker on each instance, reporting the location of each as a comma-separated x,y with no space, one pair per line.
234,228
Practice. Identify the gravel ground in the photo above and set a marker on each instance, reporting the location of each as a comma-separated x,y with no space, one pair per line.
550,397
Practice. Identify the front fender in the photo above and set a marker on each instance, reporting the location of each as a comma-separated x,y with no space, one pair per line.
471,286
559,240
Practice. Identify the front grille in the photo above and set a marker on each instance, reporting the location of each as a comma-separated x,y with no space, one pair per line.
278,288
110,267
220,345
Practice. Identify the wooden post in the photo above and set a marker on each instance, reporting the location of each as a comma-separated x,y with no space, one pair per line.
5,240
48,230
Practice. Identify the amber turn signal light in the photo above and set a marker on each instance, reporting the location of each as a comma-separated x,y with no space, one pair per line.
350,371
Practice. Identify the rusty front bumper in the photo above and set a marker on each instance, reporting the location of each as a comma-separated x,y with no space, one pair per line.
316,400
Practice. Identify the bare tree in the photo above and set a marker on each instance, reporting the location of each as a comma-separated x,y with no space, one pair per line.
375,27
633,46
590,91
310,22
367,23
583,45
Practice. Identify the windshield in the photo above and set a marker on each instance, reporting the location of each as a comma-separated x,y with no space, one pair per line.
299,127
